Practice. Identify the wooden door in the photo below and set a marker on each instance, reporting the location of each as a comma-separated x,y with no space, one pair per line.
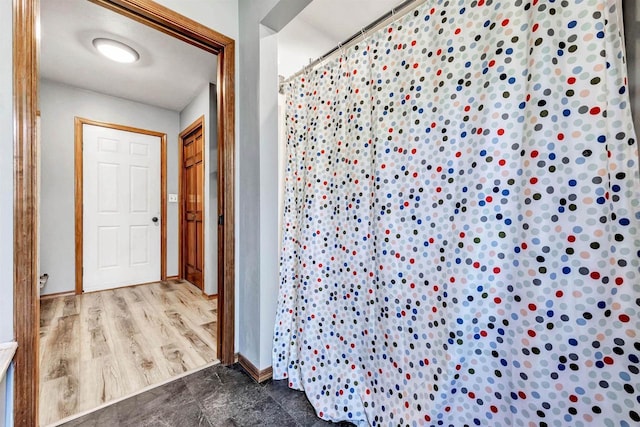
192,226
121,208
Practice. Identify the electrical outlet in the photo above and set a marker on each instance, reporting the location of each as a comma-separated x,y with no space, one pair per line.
173,198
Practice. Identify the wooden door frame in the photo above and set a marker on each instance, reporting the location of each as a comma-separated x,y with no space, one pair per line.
198,123
25,208
79,195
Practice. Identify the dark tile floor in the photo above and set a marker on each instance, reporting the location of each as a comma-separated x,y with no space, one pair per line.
215,396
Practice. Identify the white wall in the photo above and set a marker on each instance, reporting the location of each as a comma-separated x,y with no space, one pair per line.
6,398
200,106
269,207
6,193
3,403
258,184
252,338
298,43
248,163
59,104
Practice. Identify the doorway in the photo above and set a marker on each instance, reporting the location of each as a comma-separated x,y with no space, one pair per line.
26,202
120,205
191,207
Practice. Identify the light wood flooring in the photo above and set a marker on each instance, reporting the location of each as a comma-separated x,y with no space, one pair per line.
101,346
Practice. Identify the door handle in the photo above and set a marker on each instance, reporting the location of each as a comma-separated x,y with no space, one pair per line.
154,219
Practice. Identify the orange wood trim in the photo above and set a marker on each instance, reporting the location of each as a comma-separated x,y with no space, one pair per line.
198,123
255,373
173,278
211,297
57,295
26,313
115,126
78,174
181,274
205,140
226,203
163,207
79,183
169,22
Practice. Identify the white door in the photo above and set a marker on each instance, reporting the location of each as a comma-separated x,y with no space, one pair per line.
121,208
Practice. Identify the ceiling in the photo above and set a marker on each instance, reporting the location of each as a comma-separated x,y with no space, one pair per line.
340,19
169,73
321,26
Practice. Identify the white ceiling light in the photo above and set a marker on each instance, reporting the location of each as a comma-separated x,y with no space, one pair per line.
116,51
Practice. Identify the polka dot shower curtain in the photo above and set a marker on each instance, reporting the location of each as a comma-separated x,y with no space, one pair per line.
461,222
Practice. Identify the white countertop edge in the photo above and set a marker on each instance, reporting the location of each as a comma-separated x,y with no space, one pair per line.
7,351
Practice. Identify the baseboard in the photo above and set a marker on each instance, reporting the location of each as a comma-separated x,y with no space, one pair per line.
213,296
58,295
255,373
172,278
135,285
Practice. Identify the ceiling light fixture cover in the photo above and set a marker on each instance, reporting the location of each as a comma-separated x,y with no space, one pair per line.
116,51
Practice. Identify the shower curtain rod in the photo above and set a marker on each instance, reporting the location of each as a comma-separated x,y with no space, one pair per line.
385,19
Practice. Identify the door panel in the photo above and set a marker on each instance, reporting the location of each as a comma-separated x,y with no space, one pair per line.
139,189
108,175
107,247
138,248
193,207
121,196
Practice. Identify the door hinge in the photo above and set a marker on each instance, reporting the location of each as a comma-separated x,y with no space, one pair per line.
220,219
